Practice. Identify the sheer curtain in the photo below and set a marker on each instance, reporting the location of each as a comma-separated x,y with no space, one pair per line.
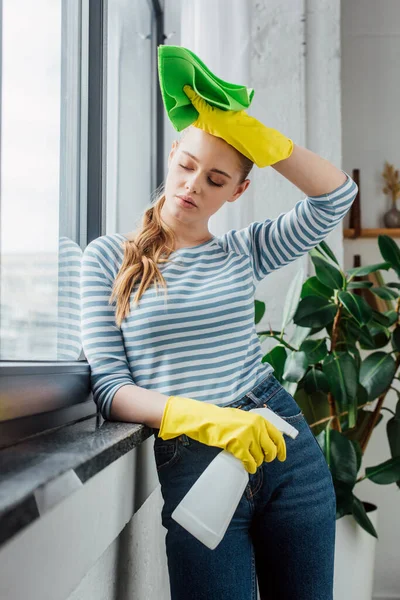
219,33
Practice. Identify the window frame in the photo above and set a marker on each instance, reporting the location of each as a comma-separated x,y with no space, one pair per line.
61,391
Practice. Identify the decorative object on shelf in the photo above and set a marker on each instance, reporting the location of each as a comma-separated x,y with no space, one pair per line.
391,176
355,210
340,392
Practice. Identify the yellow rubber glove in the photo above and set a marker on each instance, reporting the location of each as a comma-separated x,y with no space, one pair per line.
263,145
250,437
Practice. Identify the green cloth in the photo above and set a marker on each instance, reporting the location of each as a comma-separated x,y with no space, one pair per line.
178,66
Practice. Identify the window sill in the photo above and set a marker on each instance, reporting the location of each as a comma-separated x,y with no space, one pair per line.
38,473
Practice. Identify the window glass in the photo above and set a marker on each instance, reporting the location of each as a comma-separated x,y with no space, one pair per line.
41,193
131,64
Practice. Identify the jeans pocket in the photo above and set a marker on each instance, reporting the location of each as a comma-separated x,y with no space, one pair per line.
285,406
166,452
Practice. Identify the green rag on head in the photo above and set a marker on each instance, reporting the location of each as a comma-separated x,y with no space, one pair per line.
178,66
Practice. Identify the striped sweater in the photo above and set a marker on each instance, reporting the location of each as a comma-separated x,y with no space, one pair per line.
199,340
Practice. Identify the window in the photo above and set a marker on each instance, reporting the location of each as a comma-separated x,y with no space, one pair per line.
40,192
80,154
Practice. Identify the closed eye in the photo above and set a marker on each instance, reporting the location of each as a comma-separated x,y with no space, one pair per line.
209,180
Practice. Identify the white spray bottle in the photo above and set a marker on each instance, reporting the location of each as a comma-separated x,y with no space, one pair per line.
208,507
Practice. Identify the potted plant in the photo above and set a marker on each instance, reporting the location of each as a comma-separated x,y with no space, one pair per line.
335,386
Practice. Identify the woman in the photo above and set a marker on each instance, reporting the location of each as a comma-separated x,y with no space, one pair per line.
186,362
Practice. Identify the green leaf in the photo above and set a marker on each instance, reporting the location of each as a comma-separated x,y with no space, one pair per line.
315,380
392,316
344,498
343,459
376,373
259,310
381,318
299,335
352,333
385,292
314,311
362,395
394,284
313,287
366,339
390,251
362,518
353,285
314,406
385,473
363,423
323,247
341,373
358,451
315,350
360,271
380,335
395,338
328,274
276,358
393,434
292,298
357,307
295,367
353,350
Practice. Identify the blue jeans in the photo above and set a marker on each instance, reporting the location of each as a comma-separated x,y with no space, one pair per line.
282,535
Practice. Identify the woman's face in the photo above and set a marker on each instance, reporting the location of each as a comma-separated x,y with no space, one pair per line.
205,168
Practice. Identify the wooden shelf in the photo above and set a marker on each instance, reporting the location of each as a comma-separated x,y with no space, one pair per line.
371,233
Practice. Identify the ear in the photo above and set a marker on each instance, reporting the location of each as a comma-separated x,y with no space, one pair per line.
241,188
172,152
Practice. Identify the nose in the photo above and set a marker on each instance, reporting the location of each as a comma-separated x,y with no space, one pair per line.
192,184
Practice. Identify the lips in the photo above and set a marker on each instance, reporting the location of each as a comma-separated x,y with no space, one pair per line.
187,199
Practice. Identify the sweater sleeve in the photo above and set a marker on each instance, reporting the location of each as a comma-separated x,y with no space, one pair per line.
274,243
102,340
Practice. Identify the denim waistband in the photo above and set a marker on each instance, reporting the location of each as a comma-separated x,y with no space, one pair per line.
259,394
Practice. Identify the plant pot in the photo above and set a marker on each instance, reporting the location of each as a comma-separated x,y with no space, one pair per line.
354,557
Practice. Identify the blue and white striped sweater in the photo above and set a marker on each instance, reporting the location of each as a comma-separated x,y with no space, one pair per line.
200,340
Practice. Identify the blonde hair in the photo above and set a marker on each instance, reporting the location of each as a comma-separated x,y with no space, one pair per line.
152,243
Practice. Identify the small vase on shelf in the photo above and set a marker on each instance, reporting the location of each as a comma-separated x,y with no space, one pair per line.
391,218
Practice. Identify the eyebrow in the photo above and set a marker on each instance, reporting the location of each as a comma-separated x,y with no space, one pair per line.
215,170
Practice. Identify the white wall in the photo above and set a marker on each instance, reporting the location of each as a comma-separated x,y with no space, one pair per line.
104,541
370,97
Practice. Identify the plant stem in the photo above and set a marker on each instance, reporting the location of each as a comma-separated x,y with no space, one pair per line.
331,401
389,410
281,340
342,414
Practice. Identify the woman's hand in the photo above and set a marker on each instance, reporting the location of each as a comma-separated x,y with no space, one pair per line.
248,436
263,145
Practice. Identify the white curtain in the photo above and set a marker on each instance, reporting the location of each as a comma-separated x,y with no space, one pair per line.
218,31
